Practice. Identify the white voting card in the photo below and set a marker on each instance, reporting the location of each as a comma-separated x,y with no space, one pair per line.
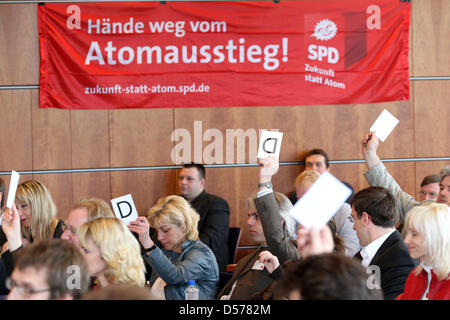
384,125
321,201
269,144
124,208
258,265
12,189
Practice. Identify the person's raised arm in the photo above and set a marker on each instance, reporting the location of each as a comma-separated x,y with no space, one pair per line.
377,175
268,167
369,144
141,227
313,241
11,228
268,210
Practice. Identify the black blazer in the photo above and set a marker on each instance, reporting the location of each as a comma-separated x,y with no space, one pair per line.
3,276
395,265
214,224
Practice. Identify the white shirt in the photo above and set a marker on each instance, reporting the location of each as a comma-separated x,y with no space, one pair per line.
428,270
371,249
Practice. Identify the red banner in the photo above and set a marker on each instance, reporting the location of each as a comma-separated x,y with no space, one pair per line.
223,54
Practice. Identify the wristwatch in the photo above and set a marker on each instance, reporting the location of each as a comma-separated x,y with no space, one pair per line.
150,249
268,185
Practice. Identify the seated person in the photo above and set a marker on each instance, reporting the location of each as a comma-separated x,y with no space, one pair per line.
375,212
276,270
328,276
183,256
429,187
214,224
12,232
317,160
343,217
112,252
84,211
37,214
49,270
428,239
272,227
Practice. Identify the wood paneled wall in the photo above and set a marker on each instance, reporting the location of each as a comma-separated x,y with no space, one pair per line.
46,139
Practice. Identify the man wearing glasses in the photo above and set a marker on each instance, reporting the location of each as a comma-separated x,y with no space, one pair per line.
49,270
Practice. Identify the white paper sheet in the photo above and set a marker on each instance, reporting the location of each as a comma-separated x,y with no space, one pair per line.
321,201
384,125
269,144
124,208
12,188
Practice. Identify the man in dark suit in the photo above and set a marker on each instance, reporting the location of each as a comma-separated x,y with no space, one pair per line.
214,223
375,214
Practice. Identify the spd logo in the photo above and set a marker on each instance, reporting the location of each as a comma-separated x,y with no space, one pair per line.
325,30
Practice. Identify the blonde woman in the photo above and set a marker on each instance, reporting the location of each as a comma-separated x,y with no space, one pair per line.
37,213
112,252
428,239
183,256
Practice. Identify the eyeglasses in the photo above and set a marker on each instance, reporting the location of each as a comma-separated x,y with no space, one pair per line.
424,193
23,290
68,228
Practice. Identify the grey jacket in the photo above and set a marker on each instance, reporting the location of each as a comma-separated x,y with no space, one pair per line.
277,240
195,262
378,176
344,228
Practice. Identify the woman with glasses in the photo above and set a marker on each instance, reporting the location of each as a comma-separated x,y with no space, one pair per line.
37,213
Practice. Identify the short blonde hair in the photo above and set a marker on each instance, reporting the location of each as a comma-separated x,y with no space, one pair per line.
432,221
306,176
97,208
43,210
175,210
118,248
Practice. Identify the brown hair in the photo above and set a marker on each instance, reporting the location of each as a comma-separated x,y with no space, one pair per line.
331,276
63,262
432,178
379,204
319,152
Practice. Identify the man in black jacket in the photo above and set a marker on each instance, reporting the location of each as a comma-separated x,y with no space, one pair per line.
375,213
214,223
